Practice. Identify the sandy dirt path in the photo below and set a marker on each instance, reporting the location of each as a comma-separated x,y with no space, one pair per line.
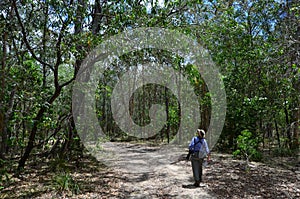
152,172
143,171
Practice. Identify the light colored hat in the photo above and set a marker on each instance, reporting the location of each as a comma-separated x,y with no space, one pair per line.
201,131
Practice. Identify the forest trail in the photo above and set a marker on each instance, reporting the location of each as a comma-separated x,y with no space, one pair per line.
154,172
139,170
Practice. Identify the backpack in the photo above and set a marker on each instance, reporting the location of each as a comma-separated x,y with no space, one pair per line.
202,152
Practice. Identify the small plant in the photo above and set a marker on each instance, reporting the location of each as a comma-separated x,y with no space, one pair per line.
4,175
283,152
65,182
247,146
58,164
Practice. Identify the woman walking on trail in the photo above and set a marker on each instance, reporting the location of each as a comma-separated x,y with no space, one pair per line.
197,144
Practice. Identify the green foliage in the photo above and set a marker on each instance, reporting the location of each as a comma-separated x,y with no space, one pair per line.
64,182
58,164
247,146
283,152
257,156
253,44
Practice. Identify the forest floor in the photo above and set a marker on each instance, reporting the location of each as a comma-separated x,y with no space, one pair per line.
131,170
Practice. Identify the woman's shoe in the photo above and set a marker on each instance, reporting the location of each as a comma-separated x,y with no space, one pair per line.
197,184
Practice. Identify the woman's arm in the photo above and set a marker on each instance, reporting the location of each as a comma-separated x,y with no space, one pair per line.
207,150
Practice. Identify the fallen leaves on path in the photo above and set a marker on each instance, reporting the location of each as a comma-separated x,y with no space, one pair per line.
159,175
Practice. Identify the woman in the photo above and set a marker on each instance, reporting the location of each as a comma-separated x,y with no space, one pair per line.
197,144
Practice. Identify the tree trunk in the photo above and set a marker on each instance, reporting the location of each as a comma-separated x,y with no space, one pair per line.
205,110
2,101
277,133
30,144
167,114
3,135
287,121
295,141
45,34
96,17
37,120
296,86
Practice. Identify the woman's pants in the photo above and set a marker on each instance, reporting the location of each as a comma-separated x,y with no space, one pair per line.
197,168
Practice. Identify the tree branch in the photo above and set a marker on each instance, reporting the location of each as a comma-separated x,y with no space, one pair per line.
23,30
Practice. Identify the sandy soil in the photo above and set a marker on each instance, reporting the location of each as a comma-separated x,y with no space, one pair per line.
131,170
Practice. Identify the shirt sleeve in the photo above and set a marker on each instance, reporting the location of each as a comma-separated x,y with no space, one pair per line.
206,146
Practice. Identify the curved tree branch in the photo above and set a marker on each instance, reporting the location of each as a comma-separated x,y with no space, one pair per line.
23,30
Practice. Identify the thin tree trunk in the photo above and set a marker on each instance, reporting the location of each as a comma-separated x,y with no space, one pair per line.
288,130
97,16
262,130
44,46
3,136
167,114
205,113
37,120
3,130
277,133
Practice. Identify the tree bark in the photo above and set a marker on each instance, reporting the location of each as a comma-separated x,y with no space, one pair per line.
205,110
97,16
277,133
37,120
3,130
167,114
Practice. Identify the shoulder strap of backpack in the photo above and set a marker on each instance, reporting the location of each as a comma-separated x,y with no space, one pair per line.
196,142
